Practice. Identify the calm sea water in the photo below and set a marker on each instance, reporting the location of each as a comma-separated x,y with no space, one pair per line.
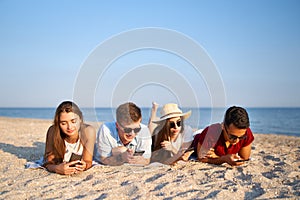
263,120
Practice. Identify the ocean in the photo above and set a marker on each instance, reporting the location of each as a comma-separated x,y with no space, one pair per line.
284,121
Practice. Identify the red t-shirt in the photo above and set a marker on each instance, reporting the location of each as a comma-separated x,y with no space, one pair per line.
212,137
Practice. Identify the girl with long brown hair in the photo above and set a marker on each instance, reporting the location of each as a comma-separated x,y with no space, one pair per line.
69,138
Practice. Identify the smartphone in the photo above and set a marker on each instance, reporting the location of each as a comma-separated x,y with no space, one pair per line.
138,153
242,160
75,157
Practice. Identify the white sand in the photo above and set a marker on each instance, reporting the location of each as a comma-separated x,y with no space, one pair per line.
274,172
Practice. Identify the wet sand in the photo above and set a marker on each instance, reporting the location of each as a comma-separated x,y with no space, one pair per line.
273,172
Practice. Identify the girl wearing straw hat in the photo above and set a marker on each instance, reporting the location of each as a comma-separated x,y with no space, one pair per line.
170,138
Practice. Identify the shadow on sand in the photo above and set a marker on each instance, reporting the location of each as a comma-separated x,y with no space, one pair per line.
27,153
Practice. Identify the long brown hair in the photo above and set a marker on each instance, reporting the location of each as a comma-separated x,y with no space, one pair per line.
163,133
59,135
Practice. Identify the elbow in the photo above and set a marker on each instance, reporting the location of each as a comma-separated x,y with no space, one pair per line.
204,160
88,165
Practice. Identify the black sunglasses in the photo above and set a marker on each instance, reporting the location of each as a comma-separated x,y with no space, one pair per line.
129,130
178,123
234,137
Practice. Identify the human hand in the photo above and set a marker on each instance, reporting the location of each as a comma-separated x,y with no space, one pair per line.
167,145
185,155
231,159
138,160
80,166
134,159
211,153
66,168
127,155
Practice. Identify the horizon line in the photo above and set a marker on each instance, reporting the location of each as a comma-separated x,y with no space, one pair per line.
16,107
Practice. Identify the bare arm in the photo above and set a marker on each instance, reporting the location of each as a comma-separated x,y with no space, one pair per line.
88,146
178,155
212,158
245,152
167,145
115,160
119,158
119,155
139,160
62,168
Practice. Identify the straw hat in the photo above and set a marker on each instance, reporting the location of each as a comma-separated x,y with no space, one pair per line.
171,110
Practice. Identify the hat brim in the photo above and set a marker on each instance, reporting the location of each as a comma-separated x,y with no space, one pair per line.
184,115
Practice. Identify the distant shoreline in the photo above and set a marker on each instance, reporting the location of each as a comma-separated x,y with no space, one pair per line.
283,121
147,107
97,124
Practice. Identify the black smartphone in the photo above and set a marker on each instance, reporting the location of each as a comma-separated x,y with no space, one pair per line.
75,157
242,160
138,153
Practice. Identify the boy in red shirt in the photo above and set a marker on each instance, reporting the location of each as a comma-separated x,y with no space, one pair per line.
227,142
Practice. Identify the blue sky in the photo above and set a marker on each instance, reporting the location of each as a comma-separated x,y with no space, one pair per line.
255,46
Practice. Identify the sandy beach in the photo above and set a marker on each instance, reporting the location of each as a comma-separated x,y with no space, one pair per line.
273,172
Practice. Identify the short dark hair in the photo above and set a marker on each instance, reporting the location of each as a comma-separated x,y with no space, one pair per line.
237,116
128,113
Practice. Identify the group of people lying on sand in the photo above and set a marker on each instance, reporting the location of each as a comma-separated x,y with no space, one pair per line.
72,145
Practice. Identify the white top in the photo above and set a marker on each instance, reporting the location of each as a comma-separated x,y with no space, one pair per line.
76,148
184,137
